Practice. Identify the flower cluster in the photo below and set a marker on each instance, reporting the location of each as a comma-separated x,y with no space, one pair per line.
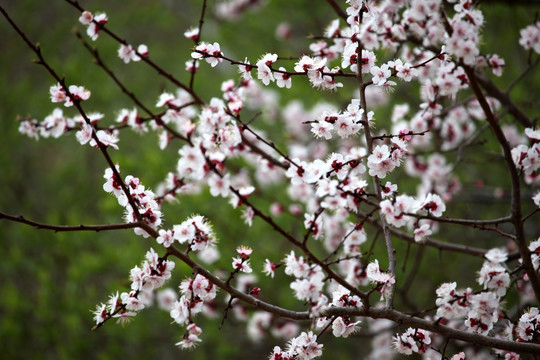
93,23
483,313
452,303
210,52
466,25
152,274
347,124
195,231
57,124
318,73
412,341
242,263
127,53
528,327
530,37
534,248
196,293
398,211
527,158
480,310
493,275
147,207
383,279
385,159
309,278
76,93
342,326
303,347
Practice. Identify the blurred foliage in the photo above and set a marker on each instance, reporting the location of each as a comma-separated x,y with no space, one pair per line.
51,281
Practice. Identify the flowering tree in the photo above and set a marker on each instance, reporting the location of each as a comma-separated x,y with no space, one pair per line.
364,186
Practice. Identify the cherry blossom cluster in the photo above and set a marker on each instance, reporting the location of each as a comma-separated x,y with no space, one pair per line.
210,52
309,279
146,207
77,93
105,138
241,263
152,274
93,23
303,347
195,294
527,158
528,327
412,341
466,24
534,247
385,159
54,125
398,211
318,73
344,125
494,276
530,37
480,309
383,279
127,53
57,124
342,326
196,232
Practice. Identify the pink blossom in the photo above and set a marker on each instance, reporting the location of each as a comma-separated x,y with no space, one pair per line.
166,237
413,340
95,25
192,33
269,268
497,64
85,134
86,18
530,37
283,79
210,52
127,53
241,264
421,233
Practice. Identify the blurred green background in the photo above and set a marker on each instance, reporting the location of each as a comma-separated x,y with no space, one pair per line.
50,282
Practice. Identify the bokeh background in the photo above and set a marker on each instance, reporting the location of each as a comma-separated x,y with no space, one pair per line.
50,282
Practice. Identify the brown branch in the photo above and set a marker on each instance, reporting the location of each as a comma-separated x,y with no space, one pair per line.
59,228
502,220
436,327
515,204
464,249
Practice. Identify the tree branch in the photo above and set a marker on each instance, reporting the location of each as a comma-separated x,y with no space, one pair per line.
515,204
60,228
